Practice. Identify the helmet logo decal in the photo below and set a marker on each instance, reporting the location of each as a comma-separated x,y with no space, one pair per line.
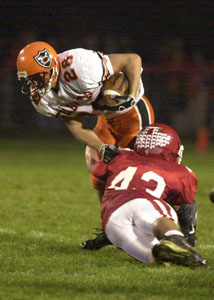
151,137
44,58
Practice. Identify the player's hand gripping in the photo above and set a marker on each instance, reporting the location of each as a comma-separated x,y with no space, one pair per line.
108,152
123,102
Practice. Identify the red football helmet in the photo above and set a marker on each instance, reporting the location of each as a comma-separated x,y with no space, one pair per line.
38,69
159,141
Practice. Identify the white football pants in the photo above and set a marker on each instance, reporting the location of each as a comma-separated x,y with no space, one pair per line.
130,226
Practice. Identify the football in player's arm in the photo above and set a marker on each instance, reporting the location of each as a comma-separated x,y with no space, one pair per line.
141,189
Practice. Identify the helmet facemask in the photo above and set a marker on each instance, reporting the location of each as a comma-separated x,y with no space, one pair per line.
37,85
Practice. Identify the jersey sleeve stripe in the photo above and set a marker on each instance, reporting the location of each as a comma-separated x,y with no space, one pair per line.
106,72
149,108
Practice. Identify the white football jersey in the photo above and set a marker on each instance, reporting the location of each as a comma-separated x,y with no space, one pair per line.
81,77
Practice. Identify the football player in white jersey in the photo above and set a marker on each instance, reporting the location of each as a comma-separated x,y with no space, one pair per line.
66,85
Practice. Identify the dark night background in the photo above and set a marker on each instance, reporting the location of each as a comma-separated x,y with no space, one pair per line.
147,23
174,39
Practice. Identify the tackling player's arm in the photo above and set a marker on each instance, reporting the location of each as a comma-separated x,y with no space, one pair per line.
98,178
131,64
187,211
98,185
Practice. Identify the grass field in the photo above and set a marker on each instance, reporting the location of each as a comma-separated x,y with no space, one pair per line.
48,207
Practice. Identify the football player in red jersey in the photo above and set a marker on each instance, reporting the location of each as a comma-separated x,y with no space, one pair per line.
142,191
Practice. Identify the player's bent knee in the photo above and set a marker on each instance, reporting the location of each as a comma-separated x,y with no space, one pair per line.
162,225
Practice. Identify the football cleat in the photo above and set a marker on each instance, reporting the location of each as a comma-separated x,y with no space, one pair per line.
174,249
99,242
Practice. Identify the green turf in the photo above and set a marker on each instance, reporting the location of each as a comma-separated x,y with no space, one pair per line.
47,208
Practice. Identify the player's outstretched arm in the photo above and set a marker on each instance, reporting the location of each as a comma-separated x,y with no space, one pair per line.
89,138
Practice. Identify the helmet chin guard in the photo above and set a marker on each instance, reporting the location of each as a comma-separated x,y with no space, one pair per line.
37,85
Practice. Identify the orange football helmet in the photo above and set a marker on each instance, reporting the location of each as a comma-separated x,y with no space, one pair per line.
38,69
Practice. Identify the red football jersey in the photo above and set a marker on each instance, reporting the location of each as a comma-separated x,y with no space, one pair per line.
129,176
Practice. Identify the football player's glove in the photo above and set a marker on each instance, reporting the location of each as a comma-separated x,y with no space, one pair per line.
123,102
187,217
108,152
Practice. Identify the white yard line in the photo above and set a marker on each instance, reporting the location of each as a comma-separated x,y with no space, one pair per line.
40,234
37,234
211,246
7,231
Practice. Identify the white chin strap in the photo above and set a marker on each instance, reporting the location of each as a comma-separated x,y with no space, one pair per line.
55,71
180,154
47,89
49,86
